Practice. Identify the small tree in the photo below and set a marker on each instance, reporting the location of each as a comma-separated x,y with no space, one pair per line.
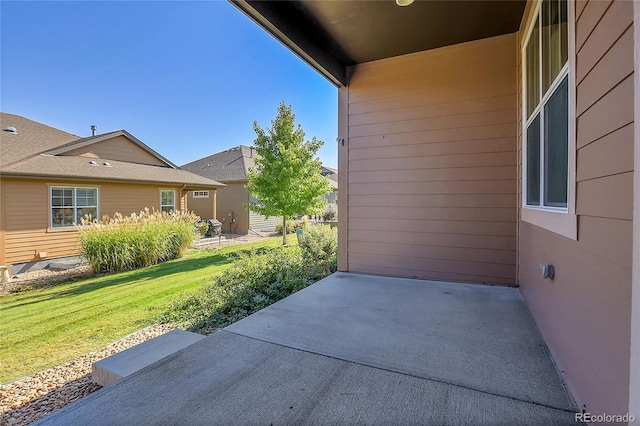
286,179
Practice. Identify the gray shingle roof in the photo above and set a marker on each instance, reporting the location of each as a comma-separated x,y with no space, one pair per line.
226,166
25,153
31,139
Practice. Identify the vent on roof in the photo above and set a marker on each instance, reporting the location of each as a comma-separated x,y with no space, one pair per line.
11,129
93,163
106,164
93,129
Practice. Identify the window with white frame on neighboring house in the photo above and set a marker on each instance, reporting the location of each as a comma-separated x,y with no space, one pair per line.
167,200
546,108
69,205
200,194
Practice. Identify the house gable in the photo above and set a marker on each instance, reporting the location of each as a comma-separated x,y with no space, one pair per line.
117,146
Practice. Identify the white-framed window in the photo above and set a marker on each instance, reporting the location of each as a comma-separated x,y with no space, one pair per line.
548,118
167,200
546,108
200,194
69,205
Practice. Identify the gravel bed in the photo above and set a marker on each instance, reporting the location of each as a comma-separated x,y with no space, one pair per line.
42,278
29,399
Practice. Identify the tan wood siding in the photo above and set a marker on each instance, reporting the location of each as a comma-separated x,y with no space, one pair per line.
584,312
118,148
613,68
232,198
612,112
127,199
610,155
432,154
610,197
26,215
203,207
610,26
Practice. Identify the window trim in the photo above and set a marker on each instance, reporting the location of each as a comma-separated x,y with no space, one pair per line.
561,221
174,199
51,186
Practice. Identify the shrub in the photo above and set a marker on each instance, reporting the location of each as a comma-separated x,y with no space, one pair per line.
330,212
254,281
128,242
292,225
320,248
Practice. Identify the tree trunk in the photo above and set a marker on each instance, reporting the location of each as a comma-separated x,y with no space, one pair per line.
284,230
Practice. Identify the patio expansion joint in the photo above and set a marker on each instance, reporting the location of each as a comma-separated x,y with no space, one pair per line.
432,379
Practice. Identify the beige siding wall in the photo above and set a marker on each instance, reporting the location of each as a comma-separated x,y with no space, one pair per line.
584,313
258,222
118,148
203,207
432,178
232,198
26,215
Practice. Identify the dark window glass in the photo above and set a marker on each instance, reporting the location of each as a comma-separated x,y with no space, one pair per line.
533,162
87,211
61,217
533,70
556,142
554,40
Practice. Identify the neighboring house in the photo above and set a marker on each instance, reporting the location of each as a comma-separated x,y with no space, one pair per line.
229,167
480,140
332,175
50,179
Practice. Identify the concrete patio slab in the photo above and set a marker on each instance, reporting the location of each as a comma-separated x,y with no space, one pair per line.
352,349
479,337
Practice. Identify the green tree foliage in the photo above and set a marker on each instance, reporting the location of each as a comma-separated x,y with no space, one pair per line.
286,179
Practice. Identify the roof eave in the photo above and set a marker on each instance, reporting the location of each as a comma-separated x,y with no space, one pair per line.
188,186
270,16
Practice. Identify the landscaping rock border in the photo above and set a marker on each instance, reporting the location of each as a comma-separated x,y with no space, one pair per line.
29,399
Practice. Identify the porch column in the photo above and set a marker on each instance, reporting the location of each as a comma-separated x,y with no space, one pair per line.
343,178
3,215
215,213
184,207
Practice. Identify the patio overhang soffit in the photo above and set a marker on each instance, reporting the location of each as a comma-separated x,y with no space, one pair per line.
331,35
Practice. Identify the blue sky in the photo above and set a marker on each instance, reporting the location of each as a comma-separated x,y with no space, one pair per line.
186,78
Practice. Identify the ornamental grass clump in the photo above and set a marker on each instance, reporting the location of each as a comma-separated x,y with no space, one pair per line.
127,242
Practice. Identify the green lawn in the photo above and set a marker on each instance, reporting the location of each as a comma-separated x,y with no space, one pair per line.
48,327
